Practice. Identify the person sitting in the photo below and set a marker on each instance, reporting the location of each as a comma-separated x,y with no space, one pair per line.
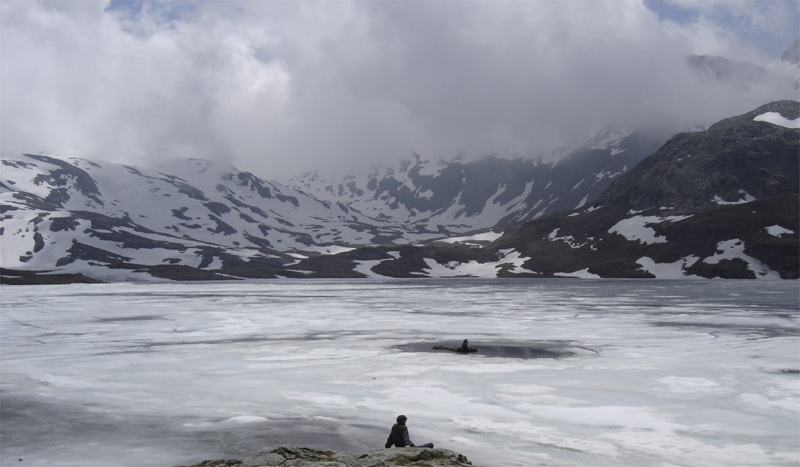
399,435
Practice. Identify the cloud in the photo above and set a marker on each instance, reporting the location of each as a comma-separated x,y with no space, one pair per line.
748,29
282,87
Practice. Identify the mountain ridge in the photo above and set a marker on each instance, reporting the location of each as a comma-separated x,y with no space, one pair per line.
590,215
419,194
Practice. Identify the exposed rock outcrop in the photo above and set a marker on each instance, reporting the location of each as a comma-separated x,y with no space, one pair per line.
304,457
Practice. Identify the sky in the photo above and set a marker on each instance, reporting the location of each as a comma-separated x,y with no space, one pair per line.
279,88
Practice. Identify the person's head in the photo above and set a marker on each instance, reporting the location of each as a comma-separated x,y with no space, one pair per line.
401,419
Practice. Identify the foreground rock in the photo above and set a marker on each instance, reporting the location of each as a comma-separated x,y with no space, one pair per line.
302,457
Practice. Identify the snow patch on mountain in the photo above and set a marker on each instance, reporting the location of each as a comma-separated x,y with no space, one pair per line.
510,258
365,267
777,119
745,197
778,231
637,228
568,239
674,270
582,274
734,249
489,236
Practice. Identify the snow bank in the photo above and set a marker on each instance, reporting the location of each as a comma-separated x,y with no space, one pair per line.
777,119
778,231
481,237
734,249
636,228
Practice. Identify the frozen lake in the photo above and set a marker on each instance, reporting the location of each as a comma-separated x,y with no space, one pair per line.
572,372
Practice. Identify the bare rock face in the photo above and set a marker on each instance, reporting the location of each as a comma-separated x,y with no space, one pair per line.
303,457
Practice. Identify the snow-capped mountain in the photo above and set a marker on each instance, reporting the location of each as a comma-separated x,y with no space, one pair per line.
722,202
716,203
59,212
456,196
204,203
68,213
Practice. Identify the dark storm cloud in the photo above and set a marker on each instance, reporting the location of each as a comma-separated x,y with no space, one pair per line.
281,87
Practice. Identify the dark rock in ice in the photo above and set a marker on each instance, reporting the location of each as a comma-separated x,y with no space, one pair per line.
465,348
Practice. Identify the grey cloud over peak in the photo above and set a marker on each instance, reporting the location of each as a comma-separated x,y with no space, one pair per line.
278,88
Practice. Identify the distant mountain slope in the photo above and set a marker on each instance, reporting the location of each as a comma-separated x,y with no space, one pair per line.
457,196
716,203
62,212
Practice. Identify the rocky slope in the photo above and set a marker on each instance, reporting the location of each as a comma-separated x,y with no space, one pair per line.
736,160
311,458
717,203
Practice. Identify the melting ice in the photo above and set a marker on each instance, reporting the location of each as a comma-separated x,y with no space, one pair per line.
605,372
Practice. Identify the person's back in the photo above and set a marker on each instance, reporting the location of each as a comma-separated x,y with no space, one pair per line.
399,435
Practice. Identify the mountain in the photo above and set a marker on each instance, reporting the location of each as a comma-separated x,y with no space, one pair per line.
719,203
454,197
195,219
72,214
716,203
722,202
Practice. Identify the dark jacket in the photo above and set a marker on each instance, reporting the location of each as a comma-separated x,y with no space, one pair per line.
398,437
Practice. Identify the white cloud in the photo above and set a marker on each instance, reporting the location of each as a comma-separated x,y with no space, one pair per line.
279,87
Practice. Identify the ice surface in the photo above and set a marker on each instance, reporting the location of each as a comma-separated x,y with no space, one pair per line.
678,373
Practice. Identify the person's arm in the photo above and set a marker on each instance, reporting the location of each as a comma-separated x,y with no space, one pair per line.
389,442
406,440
